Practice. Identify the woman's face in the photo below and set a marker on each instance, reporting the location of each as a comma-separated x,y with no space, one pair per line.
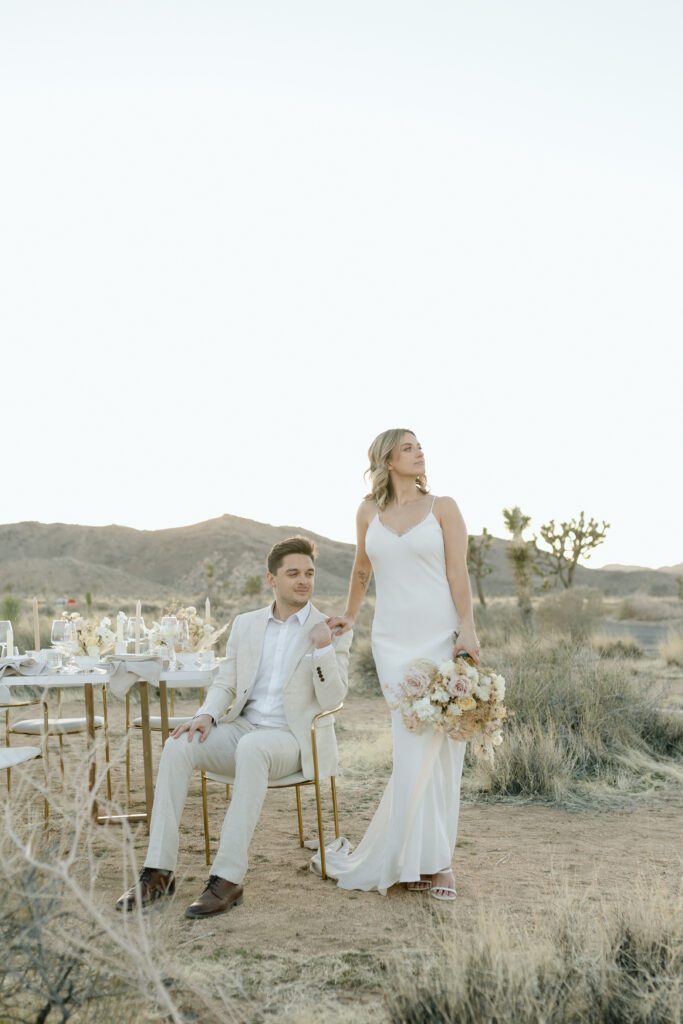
407,458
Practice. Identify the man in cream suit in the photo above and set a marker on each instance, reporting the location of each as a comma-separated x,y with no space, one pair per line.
282,667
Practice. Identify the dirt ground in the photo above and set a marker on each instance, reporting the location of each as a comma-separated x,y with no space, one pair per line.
512,856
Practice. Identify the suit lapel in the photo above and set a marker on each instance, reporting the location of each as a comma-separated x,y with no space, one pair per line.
257,635
303,644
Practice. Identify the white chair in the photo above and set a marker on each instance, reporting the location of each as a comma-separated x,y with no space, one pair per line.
298,779
61,727
11,757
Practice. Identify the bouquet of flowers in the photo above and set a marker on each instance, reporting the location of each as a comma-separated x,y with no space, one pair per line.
89,637
457,698
200,635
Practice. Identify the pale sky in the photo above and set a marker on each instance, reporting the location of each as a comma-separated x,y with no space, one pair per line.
239,239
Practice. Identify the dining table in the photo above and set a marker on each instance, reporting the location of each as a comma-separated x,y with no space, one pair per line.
99,677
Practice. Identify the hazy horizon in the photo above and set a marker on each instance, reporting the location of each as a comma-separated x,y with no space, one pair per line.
588,563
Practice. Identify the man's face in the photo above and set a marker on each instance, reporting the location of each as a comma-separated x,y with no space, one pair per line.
293,582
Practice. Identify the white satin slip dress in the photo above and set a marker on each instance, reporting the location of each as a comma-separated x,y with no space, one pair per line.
414,828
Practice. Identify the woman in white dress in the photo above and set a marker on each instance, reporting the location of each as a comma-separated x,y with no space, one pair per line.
416,545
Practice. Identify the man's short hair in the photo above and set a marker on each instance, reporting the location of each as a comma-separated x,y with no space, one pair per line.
290,546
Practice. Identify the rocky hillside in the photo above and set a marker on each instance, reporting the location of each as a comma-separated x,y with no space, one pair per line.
57,558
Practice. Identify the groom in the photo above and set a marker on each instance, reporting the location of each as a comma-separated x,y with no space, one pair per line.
281,669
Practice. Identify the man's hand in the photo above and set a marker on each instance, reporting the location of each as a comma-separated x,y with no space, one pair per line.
340,624
202,725
320,635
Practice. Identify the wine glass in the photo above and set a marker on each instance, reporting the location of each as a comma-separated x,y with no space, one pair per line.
133,625
5,629
62,637
183,635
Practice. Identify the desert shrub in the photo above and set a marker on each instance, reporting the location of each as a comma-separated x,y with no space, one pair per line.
362,668
622,645
578,725
10,607
645,608
575,612
671,648
497,622
575,966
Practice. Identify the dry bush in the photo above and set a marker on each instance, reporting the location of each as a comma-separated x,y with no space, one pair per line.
362,669
621,645
646,608
497,622
65,956
580,729
671,648
579,964
575,612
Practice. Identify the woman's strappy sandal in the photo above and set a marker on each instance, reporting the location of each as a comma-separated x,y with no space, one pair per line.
422,886
445,893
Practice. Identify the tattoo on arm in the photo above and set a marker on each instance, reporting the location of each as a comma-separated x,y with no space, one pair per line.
364,578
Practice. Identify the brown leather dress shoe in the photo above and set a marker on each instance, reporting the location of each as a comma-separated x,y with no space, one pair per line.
151,885
219,896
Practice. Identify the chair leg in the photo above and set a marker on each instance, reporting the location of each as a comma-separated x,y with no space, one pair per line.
60,736
106,741
46,764
7,743
205,813
299,817
128,745
321,835
335,807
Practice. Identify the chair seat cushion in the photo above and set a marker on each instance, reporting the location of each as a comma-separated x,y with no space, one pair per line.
296,779
155,722
34,726
10,757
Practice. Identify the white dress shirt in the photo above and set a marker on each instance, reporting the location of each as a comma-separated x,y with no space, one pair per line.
265,706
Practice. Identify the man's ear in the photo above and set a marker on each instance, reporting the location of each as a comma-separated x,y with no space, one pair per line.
270,579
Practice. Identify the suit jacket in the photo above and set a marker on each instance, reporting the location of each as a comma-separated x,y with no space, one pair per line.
311,685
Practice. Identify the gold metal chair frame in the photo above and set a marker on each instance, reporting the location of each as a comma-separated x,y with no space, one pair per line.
315,781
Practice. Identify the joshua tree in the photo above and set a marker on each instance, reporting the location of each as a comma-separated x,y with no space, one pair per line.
522,555
477,551
569,542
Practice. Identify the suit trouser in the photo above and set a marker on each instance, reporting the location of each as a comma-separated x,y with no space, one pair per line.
252,756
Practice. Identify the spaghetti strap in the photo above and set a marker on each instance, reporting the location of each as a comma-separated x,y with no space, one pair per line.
433,501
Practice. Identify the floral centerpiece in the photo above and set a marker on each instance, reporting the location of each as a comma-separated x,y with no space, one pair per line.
457,698
91,639
201,635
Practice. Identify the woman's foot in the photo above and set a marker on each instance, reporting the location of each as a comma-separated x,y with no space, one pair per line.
423,885
443,886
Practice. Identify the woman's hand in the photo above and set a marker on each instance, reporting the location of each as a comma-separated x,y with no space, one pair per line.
340,624
467,641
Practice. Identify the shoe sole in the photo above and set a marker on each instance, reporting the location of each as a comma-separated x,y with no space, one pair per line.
214,913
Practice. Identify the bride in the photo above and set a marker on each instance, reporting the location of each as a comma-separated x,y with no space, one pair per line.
416,545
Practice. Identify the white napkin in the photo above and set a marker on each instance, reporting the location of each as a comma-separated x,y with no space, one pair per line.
21,666
125,673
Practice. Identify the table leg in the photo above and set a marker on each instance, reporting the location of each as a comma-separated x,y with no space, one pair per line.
90,727
146,749
163,704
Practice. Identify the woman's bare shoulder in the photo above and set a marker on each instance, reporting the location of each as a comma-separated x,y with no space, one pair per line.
444,505
366,510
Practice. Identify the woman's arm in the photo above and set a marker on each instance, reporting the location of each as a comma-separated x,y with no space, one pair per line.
361,574
455,546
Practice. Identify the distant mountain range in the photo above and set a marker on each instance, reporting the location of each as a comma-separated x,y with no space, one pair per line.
116,561
676,570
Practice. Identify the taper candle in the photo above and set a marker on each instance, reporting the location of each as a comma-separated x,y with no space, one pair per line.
207,612
36,626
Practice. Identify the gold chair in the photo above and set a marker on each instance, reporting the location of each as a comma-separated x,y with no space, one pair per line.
297,780
163,722
61,727
7,704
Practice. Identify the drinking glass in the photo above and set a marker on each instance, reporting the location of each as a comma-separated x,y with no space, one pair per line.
5,627
131,624
183,635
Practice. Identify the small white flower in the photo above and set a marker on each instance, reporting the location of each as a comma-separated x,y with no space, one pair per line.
441,697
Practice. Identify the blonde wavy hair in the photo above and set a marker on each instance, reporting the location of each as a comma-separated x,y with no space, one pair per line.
379,453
